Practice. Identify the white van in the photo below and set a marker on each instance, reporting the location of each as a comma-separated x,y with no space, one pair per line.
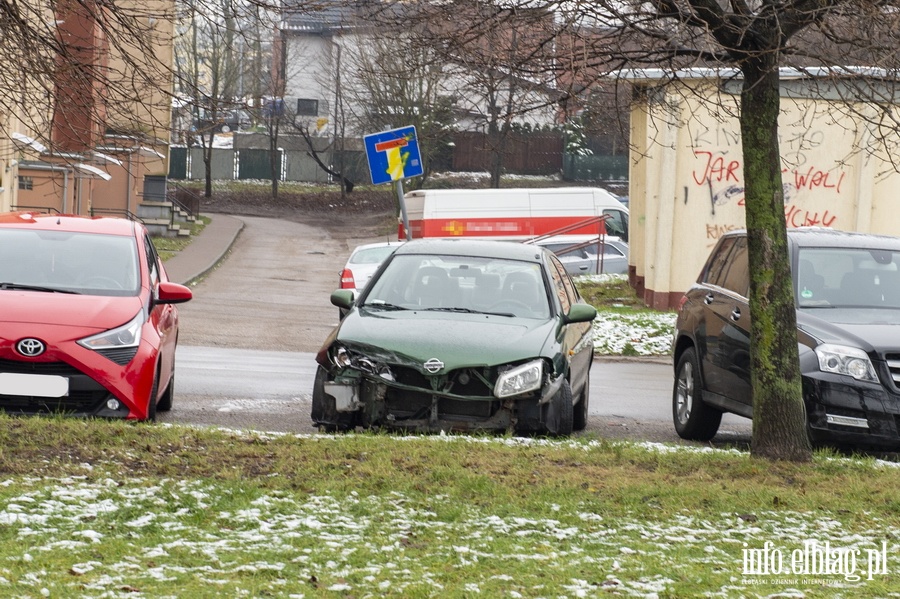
521,213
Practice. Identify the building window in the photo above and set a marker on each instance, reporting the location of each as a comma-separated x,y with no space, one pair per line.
26,183
307,107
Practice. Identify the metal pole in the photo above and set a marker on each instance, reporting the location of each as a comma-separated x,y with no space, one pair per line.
403,210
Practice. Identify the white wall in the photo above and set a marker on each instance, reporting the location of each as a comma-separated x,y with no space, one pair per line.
687,179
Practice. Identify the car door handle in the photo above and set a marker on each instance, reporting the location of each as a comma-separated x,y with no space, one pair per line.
709,299
582,268
736,314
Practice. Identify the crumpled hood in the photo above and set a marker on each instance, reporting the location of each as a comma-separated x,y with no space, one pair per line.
457,340
89,312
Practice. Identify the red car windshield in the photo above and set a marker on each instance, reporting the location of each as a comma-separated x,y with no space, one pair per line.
84,263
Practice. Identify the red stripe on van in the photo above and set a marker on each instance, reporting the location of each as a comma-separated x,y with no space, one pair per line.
499,227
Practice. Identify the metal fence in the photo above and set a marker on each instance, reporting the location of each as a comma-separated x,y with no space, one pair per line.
535,154
595,168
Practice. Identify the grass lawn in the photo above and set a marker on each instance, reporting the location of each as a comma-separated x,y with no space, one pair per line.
98,509
624,326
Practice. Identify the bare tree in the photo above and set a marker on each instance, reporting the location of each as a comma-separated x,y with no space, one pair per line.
82,68
500,65
398,84
208,69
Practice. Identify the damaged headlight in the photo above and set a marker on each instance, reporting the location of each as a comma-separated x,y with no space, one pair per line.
521,379
344,359
341,358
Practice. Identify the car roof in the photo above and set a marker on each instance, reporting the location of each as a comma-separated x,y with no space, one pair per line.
67,222
825,237
820,236
380,244
573,239
511,250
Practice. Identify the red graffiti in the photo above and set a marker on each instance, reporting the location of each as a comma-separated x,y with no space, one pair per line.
716,169
813,179
796,217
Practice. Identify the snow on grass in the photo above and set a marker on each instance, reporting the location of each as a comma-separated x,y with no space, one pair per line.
244,542
633,334
629,332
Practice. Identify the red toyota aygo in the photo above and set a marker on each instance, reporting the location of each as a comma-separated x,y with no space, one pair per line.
87,322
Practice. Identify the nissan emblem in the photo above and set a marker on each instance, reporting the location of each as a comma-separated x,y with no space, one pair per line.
433,365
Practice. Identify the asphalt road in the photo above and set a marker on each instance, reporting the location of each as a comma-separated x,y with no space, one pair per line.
249,337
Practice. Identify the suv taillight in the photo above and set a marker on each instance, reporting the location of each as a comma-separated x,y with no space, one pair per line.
347,281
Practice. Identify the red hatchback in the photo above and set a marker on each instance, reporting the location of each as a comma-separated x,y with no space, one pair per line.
87,321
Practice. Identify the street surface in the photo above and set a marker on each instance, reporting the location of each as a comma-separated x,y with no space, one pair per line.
246,357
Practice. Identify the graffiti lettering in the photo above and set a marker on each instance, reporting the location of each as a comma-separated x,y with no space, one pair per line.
796,217
716,169
719,137
716,231
813,179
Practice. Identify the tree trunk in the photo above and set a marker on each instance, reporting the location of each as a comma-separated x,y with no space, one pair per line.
273,155
207,163
779,416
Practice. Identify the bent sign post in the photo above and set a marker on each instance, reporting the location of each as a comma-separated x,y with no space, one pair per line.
393,156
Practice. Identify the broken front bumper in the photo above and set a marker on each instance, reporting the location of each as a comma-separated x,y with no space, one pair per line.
381,402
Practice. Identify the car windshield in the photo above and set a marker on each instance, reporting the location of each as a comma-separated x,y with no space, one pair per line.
837,277
68,262
373,255
461,284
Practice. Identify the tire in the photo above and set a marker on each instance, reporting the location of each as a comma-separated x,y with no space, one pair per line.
580,415
165,402
324,413
560,412
225,129
694,420
151,402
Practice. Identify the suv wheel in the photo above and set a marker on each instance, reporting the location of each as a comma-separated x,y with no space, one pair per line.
694,419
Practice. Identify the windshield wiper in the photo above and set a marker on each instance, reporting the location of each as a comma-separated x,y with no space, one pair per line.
382,306
468,311
36,288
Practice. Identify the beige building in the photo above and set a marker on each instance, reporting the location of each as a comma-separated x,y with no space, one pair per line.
94,149
686,177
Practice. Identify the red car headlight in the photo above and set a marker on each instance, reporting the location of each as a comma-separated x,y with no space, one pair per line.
119,344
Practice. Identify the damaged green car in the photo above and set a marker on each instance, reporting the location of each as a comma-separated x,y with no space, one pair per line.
454,335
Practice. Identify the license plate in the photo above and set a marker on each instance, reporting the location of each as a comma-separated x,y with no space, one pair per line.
35,385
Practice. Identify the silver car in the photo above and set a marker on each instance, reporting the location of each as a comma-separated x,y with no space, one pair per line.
590,256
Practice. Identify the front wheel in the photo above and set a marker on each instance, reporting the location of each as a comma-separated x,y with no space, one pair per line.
151,403
580,419
324,412
165,402
694,419
560,412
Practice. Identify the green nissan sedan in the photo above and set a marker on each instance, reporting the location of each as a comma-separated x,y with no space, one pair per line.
459,335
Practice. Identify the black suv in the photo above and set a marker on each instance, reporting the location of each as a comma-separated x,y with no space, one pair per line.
847,292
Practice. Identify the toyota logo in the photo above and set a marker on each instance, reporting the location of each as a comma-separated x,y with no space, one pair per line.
30,347
433,365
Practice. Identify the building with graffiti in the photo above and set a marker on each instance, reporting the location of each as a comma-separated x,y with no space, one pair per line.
686,183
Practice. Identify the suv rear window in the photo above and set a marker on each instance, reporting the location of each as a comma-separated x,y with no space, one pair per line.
729,266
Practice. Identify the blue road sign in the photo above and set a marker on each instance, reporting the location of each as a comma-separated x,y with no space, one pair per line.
393,155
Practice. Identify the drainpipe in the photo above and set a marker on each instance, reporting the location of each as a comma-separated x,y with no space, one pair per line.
128,185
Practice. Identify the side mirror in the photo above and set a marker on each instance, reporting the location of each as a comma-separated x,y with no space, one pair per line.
343,298
580,313
172,293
